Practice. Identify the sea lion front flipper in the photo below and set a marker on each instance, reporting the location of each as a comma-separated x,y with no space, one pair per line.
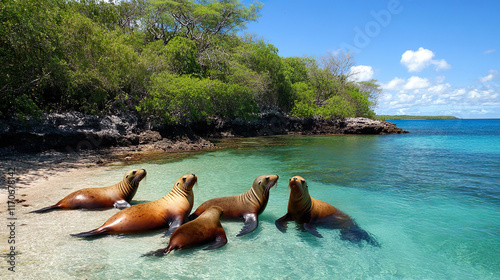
312,230
281,223
121,204
251,223
220,241
172,226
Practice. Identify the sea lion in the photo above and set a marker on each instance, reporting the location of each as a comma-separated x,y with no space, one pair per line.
118,195
310,212
246,206
169,211
202,230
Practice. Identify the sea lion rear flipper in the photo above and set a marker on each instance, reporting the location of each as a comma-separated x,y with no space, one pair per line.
121,204
92,233
157,253
312,230
251,223
356,234
220,241
281,223
46,209
172,227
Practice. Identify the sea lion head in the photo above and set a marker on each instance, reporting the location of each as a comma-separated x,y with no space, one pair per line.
298,186
186,182
134,176
264,183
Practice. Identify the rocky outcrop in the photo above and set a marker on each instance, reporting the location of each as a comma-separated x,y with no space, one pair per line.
278,124
74,131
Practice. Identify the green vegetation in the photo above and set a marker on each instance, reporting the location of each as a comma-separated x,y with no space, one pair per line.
175,61
407,117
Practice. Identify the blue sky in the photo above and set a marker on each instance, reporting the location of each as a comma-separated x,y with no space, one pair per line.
431,57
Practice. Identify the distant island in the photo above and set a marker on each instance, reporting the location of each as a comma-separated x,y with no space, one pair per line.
407,117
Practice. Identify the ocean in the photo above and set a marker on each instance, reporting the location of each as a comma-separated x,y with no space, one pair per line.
431,198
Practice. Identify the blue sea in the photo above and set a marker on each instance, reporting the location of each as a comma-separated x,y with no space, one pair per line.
431,198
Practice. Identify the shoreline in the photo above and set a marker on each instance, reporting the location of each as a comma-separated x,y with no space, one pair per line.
65,142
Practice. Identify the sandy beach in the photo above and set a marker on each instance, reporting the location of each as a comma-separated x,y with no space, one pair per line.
43,179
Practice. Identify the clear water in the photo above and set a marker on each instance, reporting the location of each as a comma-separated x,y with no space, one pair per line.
431,198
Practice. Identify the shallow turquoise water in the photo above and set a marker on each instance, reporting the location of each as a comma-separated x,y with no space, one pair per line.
431,198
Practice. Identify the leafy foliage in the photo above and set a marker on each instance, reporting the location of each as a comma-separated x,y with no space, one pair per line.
184,99
177,61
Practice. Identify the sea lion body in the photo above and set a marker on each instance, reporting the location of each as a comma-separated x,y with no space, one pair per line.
203,230
118,195
169,211
247,206
310,212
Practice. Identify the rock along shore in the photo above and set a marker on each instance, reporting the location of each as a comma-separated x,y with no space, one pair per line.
73,131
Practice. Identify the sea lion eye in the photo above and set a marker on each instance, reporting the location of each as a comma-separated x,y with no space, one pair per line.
133,173
303,181
267,178
184,179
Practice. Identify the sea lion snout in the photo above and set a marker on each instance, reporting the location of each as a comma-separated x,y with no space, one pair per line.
136,173
297,184
189,180
272,180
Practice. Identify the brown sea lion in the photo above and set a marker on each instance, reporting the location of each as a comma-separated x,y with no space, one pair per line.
118,195
169,211
310,212
202,230
246,206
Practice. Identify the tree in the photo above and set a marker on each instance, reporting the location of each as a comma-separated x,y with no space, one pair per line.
372,90
339,65
198,21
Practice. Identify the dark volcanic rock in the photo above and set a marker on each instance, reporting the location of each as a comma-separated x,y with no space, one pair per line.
369,126
72,131
274,123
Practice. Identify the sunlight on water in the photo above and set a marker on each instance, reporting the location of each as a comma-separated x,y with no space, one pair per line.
434,211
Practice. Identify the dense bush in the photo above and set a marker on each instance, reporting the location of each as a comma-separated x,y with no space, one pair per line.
175,61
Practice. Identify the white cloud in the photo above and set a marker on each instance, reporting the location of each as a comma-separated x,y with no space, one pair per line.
440,64
417,61
439,88
486,78
402,85
394,84
492,74
416,82
489,51
422,96
361,73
